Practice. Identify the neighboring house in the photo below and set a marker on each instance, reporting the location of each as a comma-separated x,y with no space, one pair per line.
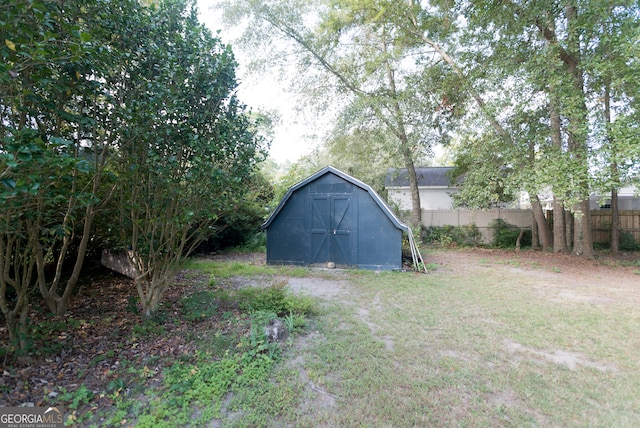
628,200
434,184
436,190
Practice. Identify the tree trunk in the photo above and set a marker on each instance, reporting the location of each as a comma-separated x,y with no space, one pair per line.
518,239
416,209
405,148
559,228
535,240
559,237
16,320
544,231
583,244
576,115
615,222
615,215
15,272
58,303
569,226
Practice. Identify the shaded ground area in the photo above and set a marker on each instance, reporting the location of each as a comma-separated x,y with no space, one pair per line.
98,343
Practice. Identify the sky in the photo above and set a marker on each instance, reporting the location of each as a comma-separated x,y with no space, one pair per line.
265,92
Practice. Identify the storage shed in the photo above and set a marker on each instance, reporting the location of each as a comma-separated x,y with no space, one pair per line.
333,217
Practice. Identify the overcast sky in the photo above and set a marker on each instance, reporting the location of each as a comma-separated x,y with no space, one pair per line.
264,93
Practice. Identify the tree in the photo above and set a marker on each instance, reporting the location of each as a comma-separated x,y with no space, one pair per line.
548,46
614,92
187,151
52,150
364,57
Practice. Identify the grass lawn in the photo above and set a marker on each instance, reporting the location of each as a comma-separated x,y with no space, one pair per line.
484,347
488,338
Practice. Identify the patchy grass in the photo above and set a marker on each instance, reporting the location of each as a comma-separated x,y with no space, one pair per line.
475,350
219,269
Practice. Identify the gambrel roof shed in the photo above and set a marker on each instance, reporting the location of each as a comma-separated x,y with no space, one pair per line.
333,217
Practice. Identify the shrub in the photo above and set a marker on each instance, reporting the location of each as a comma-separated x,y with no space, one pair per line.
505,235
628,242
269,299
446,236
276,298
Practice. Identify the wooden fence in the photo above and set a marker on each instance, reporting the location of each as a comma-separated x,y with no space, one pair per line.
601,224
600,221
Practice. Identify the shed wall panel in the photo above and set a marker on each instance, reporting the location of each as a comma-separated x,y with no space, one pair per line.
379,241
284,245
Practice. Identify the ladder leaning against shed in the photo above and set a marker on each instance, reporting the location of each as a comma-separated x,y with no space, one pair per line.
418,262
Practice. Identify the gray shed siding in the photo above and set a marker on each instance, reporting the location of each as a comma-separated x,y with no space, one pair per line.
332,217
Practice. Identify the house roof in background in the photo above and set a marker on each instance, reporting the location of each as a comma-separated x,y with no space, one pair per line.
427,177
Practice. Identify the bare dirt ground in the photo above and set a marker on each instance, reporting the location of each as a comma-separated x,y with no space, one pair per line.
607,278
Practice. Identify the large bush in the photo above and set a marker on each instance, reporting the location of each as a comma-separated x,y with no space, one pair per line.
241,227
505,235
466,236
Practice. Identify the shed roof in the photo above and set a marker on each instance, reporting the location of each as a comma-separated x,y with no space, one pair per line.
331,170
427,177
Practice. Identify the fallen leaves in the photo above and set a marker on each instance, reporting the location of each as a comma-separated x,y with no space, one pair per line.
101,340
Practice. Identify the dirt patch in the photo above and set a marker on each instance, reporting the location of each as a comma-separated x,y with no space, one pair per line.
604,280
320,287
571,360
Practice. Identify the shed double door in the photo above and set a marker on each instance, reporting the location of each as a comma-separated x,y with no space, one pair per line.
332,229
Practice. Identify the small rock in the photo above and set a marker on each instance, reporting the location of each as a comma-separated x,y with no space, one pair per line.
276,331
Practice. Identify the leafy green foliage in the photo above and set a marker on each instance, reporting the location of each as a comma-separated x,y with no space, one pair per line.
446,236
200,305
56,130
557,104
121,106
149,327
628,242
505,235
76,398
241,227
276,299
